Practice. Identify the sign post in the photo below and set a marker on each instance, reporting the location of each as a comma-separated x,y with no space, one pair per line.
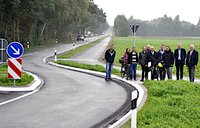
3,46
134,98
15,50
134,29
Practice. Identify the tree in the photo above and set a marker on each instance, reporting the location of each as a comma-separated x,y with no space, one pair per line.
121,26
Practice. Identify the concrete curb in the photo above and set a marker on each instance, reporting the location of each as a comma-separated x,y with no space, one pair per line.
142,91
31,87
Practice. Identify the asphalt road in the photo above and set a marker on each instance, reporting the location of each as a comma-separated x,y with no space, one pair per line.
67,100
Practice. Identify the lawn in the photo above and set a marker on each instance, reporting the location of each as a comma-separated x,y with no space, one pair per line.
4,81
170,104
98,68
121,43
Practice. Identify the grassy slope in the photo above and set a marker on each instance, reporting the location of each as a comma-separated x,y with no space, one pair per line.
170,104
121,43
4,81
87,66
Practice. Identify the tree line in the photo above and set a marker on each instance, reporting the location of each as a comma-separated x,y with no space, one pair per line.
37,21
164,26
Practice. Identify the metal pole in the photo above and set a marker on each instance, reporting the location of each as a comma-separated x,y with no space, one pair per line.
14,82
2,50
134,35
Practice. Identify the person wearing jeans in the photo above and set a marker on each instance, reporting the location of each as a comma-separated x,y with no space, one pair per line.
133,60
109,56
192,61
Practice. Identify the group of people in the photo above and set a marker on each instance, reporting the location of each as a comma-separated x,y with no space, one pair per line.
159,63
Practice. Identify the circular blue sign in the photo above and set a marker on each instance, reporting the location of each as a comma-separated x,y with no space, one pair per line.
15,50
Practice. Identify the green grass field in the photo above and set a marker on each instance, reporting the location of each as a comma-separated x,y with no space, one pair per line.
170,104
121,43
4,81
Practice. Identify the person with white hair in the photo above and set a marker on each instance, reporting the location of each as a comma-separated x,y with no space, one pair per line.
192,61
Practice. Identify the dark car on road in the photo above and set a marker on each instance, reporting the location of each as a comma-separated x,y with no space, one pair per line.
80,38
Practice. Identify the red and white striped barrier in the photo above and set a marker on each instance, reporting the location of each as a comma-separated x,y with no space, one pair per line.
14,68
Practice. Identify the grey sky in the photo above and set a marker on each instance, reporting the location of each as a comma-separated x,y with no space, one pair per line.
151,9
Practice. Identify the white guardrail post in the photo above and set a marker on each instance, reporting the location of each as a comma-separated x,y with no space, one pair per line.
134,99
55,53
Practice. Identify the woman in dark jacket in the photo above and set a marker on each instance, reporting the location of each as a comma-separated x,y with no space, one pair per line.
168,58
126,62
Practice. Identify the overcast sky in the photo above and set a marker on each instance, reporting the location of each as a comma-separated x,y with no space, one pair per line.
189,10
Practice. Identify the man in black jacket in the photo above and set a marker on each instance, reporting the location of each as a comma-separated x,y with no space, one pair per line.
168,58
179,56
143,61
160,54
109,56
192,61
153,60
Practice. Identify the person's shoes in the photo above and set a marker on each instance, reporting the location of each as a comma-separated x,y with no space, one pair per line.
142,80
106,79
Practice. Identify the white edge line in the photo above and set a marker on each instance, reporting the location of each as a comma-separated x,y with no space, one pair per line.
20,97
137,86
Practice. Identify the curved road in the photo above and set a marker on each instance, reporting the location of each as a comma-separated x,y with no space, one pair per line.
67,100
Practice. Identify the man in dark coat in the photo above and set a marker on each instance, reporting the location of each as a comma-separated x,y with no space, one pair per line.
179,56
160,54
168,59
153,60
143,61
109,56
192,61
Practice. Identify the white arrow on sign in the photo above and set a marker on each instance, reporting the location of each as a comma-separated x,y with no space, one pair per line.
17,52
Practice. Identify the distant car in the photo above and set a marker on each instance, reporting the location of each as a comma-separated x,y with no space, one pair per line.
80,37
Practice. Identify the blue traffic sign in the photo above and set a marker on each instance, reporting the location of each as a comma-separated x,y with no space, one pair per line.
15,50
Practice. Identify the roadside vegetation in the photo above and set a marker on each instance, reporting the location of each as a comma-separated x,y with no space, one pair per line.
121,43
170,104
79,49
4,81
98,68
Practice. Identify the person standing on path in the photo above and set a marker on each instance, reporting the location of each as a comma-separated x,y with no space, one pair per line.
143,61
179,56
192,61
110,57
168,58
126,62
153,60
133,61
161,62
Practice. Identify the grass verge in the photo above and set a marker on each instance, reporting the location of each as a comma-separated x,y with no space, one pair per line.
170,104
4,81
98,68
79,49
